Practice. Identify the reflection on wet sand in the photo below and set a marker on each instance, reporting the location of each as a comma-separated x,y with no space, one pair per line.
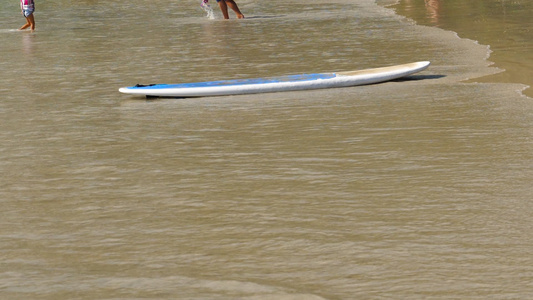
502,25
433,9
27,44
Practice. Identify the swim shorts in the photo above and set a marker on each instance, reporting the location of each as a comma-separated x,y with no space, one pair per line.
27,11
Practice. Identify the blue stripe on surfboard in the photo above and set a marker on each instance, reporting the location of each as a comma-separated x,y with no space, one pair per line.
289,78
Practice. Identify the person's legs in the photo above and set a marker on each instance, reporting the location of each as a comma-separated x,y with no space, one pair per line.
223,8
235,8
31,20
28,24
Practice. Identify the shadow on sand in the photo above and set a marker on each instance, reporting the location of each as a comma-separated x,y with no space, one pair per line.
418,77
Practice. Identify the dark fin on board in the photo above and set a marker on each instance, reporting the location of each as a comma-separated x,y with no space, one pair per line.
145,85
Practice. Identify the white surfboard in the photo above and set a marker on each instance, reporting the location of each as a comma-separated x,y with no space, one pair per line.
277,84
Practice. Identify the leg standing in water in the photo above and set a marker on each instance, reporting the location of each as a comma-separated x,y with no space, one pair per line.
28,7
224,8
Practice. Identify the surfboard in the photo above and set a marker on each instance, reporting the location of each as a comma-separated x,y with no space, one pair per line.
277,84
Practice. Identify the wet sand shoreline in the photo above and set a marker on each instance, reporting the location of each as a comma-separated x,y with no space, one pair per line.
499,27
407,189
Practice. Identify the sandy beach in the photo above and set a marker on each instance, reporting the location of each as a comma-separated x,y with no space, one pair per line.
418,188
504,25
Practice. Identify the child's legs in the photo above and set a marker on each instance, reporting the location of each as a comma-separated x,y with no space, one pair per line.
31,21
223,8
28,24
235,8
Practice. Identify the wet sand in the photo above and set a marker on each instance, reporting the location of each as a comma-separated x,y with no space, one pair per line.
503,25
412,189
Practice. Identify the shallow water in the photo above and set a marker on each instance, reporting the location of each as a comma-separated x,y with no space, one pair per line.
504,25
418,188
